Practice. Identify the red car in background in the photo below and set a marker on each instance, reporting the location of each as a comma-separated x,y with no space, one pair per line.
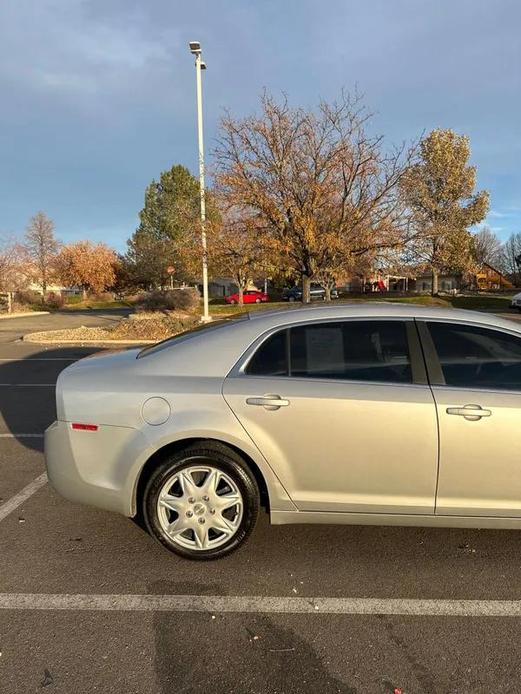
250,296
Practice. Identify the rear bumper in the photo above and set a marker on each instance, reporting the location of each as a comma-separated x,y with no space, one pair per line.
94,468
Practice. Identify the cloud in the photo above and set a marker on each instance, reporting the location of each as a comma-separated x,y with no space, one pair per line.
98,95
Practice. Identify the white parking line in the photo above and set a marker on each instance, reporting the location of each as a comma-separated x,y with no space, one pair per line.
260,604
38,359
18,499
27,385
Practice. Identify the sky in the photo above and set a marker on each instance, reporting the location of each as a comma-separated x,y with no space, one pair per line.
98,96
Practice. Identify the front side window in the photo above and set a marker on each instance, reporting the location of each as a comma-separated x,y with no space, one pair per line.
351,350
472,357
375,351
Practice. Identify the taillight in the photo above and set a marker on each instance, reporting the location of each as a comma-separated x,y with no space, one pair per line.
84,427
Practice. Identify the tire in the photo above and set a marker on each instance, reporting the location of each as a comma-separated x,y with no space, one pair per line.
257,301
233,301
198,538
291,298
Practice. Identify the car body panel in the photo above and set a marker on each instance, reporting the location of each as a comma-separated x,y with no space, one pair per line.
345,446
480,460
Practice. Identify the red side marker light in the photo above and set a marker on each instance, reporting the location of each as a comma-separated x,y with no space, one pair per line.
84,427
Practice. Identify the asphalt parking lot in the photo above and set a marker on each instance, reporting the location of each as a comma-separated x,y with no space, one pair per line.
90,603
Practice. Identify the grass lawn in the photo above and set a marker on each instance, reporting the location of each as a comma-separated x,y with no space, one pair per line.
481,302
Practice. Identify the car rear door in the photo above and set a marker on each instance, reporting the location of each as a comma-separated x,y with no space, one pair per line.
342,412
475,373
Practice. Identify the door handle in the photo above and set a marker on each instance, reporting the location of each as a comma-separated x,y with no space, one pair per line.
270,402
471,412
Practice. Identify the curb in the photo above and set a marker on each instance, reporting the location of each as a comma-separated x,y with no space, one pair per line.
27,338
27,314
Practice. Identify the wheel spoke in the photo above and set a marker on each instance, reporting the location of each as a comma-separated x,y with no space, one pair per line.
178,527
224,501
187,483
201,536
173,503
211,482
222,524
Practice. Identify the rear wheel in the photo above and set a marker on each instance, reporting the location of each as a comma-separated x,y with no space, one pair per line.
202,502
257,301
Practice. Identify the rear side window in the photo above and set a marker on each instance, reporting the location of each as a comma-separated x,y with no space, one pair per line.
473,357
374,351
271,359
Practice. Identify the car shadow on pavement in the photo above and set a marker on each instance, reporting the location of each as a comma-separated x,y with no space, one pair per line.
235,652
27,391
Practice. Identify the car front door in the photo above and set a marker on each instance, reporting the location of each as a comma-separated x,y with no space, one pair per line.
475,373
342,412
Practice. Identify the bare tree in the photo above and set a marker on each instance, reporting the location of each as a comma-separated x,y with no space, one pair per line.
487,247
42,249
322,187
511,258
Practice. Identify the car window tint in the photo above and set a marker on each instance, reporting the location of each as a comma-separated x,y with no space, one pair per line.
351,350
271,357
473,357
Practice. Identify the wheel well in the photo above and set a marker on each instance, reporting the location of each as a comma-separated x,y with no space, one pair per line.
176,446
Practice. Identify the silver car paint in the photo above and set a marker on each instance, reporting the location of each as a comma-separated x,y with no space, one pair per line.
388,467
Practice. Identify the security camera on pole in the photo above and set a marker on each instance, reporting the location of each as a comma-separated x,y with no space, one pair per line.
195,49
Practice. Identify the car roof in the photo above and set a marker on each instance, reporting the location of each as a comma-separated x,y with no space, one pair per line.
381,309
226,341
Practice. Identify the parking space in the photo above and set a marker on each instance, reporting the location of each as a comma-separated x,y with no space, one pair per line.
239,626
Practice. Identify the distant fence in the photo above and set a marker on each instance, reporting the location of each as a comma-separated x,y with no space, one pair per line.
6,299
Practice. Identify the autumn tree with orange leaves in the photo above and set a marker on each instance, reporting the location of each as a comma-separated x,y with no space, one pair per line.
238,248
324,190
87,265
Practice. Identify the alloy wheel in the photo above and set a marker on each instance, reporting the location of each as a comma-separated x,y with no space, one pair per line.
200,507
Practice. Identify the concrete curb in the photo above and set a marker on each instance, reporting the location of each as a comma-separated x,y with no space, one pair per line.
27,314
28,338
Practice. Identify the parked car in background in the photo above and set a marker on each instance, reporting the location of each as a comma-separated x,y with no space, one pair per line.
317,292
250,296
516,301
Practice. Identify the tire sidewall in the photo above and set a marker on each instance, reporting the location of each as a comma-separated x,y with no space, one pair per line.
222,459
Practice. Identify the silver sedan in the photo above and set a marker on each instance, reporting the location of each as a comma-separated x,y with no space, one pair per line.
368,414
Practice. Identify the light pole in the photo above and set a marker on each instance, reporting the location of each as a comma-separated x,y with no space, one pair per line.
195,49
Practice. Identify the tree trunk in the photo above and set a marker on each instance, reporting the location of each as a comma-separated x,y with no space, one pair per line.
306,289
44,291
241,295
434,288
84,290
327,289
